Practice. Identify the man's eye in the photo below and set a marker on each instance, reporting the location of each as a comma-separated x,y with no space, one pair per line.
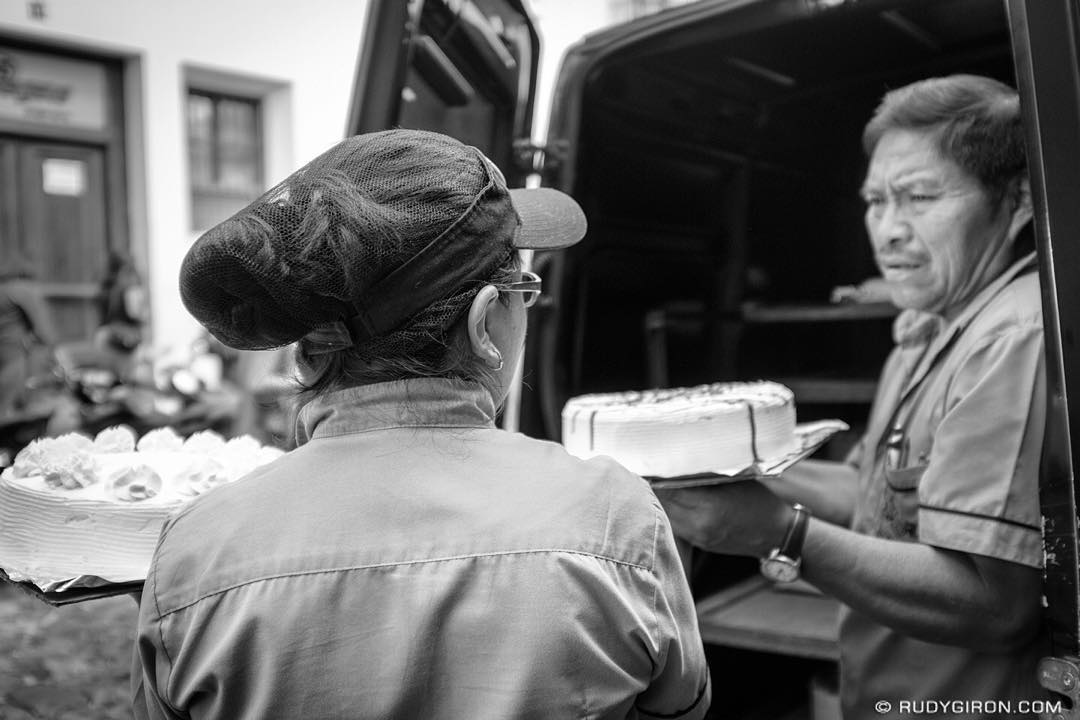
873,200
922,197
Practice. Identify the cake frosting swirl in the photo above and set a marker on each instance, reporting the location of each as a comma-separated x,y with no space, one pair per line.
74,506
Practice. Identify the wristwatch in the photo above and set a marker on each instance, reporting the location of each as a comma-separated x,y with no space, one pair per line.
783,563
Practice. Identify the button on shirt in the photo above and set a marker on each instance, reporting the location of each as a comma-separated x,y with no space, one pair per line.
951,459
410,560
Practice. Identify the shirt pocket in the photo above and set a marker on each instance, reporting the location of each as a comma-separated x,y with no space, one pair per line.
901,506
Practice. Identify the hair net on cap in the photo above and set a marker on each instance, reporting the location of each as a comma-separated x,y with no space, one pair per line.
380,228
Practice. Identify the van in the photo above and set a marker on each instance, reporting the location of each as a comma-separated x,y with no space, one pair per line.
715,148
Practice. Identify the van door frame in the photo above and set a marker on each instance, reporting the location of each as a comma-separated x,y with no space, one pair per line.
380,69
1045,37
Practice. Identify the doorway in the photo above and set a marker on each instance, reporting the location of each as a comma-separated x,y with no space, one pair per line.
54,226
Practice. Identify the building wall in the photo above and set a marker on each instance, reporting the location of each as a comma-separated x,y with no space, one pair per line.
302,54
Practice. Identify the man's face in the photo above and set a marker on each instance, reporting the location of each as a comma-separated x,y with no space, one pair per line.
936,236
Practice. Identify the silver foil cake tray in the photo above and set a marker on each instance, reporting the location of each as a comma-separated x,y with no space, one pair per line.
77,589
808,438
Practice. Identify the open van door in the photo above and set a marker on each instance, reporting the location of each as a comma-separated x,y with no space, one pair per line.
465,68
1045,37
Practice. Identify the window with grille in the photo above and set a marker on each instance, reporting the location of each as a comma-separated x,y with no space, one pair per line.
225,155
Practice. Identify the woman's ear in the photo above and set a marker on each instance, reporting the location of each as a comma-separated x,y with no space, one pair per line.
1022,211
479,337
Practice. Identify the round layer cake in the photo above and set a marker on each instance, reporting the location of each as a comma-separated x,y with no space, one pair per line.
72,507
720,428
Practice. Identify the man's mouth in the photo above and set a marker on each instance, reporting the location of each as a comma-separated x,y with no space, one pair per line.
898,267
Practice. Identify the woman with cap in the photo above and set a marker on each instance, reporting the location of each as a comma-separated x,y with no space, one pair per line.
408,559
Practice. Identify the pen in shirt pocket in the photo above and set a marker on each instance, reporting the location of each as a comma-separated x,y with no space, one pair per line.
896,448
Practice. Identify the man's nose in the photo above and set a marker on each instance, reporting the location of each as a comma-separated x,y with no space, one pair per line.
891,227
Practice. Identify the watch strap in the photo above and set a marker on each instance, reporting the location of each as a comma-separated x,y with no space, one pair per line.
796,533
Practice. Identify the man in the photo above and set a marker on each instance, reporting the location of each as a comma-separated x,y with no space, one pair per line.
930,534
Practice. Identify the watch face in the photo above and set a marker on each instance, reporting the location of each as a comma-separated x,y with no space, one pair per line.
780,569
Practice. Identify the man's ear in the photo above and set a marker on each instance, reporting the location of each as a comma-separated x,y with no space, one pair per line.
1022,210
479,338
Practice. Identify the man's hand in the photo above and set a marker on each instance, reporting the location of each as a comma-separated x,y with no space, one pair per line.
738,518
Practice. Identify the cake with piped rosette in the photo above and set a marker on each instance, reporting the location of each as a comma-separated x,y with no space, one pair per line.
72,506
723,428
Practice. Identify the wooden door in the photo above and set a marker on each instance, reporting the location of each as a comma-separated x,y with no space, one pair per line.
54,220
9,187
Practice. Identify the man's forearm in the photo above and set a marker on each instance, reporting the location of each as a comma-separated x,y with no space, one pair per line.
827,488
932,594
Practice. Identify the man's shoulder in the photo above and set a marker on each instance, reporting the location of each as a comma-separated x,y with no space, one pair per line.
1016,308
1025,288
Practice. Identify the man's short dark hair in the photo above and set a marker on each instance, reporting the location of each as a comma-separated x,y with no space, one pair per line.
976,119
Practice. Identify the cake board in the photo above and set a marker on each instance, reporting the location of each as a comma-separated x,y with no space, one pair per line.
809,437
73,591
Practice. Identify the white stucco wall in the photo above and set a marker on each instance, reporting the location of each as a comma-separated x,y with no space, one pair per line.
305,49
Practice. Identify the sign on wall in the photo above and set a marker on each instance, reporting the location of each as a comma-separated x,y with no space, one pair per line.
49,90
60,176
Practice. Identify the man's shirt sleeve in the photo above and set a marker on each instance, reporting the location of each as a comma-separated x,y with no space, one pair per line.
980,491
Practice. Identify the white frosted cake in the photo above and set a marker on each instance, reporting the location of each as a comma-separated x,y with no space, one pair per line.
720,428
73,507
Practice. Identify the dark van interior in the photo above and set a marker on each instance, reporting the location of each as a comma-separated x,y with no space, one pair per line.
719,159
